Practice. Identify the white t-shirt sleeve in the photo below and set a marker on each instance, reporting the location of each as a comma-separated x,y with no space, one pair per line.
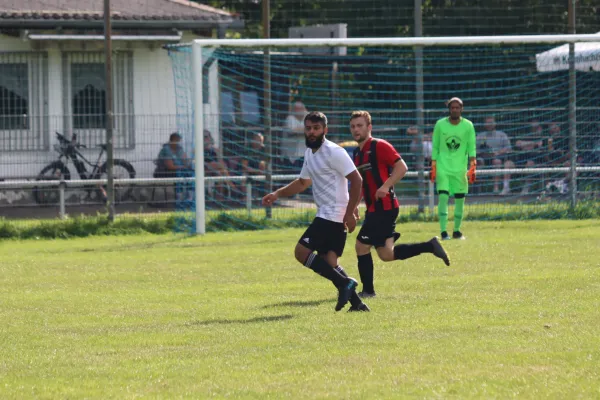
341,161
304,172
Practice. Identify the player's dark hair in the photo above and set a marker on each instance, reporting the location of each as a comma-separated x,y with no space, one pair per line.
316,116
361,113
174,136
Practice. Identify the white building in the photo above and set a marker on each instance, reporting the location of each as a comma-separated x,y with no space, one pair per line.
52,77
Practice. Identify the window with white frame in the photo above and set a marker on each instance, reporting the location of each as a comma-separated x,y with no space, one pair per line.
23,101
84,77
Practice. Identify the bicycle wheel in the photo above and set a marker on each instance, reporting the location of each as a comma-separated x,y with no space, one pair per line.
55,171
121,170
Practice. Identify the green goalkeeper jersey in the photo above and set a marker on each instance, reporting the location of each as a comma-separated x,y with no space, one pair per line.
453,145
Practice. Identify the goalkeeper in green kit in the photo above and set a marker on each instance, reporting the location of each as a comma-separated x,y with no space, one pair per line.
453,164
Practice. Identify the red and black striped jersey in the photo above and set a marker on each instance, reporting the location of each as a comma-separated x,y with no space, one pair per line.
379,153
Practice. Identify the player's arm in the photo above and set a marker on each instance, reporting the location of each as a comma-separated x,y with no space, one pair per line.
340,161
397,174
435,151
471,143
355,191
435,143
472,155
295,187
389,157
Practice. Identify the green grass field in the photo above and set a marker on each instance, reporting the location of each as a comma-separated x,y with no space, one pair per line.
233,315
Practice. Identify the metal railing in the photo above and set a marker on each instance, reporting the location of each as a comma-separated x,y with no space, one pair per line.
248,181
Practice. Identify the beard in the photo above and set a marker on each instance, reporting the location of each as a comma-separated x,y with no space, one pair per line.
361,139
316,144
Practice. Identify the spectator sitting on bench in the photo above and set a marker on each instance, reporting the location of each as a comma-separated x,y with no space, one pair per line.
528,151
493,148
557,146
213,165
173,162
591,148
254,162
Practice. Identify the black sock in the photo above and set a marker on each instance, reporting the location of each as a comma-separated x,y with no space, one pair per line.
354,299
322,268
404,251
365,270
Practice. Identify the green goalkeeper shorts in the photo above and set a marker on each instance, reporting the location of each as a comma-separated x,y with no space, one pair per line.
452,183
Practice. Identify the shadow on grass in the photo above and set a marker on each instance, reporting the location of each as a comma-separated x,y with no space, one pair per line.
300,303
271,318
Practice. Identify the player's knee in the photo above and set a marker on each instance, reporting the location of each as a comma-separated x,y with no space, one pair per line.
361,248
385,253
301,253
509,164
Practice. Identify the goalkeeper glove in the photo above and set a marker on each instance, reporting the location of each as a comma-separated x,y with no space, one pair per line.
472,171
433,171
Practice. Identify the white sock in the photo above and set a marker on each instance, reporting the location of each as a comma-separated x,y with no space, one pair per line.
506,183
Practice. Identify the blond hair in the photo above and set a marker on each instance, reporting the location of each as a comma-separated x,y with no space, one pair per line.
360,113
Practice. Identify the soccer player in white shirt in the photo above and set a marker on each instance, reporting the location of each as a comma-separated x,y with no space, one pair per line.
328,168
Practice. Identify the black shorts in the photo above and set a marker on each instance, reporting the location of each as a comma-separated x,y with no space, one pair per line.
377,227
324,236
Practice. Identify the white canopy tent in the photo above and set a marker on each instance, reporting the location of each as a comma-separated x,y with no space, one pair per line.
587,57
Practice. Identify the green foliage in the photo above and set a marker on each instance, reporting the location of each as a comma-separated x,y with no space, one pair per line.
381,18
86,226
7,230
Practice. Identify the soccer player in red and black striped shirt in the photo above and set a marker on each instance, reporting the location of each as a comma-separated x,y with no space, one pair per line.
381,168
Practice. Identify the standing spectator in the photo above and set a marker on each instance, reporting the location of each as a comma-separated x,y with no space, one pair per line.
493,147
292,142
426,147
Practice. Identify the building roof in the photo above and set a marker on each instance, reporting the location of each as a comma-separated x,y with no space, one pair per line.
126,13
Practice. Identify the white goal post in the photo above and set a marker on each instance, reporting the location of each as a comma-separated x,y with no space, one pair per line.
197,68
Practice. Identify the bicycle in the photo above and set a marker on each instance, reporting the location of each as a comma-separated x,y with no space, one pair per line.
57,170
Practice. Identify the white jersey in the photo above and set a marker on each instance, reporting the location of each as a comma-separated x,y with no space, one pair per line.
328,168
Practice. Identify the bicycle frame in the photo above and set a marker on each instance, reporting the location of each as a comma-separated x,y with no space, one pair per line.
76,156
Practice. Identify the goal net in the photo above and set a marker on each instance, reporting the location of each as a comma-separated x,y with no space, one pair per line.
532,122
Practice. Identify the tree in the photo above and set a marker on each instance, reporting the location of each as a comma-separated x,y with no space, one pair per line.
381,18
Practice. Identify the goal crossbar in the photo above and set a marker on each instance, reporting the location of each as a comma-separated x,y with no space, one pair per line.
398,41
